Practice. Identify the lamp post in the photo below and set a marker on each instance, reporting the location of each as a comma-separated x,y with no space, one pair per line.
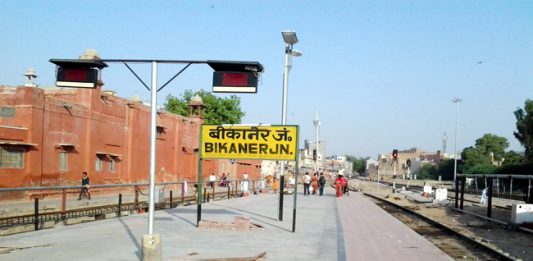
317,126
290,38
83,73
456,101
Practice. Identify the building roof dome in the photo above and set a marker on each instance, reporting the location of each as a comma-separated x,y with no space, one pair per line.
196,100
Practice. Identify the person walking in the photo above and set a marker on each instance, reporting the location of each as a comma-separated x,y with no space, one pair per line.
85,184
314,183
307,181
245,184
223,180
338,186
321,184
275,185
344,185
212,179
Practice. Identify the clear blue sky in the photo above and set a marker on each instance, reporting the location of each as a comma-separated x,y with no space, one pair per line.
381,73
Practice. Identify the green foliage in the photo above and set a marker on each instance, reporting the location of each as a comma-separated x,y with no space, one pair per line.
427,171
217,110
482,168
479,159
491,143
524,128
359,164
513,157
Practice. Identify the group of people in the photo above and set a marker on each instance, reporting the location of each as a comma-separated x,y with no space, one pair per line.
314,184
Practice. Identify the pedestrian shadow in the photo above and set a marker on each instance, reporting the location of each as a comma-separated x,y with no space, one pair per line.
245,211
183,219
138,253
176,213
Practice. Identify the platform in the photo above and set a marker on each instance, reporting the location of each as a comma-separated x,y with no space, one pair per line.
327,228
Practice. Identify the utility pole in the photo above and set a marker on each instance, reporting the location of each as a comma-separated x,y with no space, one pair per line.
317,127
456,101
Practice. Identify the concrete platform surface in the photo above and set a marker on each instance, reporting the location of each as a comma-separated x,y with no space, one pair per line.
327,228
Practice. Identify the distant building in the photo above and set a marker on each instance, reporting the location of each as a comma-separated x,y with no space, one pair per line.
339,165
309,156
386,166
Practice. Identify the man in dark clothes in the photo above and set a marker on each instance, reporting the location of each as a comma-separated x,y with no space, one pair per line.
85,186
321,184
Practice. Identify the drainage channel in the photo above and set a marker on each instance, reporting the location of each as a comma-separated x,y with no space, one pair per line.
450,242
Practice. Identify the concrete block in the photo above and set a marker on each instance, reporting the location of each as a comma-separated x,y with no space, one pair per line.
72,221
151,247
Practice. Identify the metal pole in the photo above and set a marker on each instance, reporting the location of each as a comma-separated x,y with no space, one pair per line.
489,205
317,128
119,205
511,188
153,117
456,101
283,122
199,191
295,193
377,170
171,203
456,192
393,176
408,176
463,181
36,214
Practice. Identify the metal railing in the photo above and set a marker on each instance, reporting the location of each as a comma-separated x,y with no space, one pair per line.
105,200
510,186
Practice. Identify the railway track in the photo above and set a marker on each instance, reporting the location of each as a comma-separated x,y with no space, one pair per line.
456,245
451,195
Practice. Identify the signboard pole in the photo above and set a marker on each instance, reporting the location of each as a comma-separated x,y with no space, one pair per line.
199,194
199,187
297,167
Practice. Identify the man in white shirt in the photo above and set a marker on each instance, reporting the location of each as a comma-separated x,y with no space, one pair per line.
212,179
307,181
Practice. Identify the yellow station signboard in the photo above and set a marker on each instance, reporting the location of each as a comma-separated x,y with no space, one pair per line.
249,142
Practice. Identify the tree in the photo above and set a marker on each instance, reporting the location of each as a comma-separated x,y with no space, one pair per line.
513,157
493,146
524,128
427,171
445,169
217,110
489,149
359,164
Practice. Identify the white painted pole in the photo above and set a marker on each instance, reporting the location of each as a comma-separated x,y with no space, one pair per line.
283,122
153,117
456,101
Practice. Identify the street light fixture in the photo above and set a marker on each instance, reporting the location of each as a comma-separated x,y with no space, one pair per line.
456,101
290,39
